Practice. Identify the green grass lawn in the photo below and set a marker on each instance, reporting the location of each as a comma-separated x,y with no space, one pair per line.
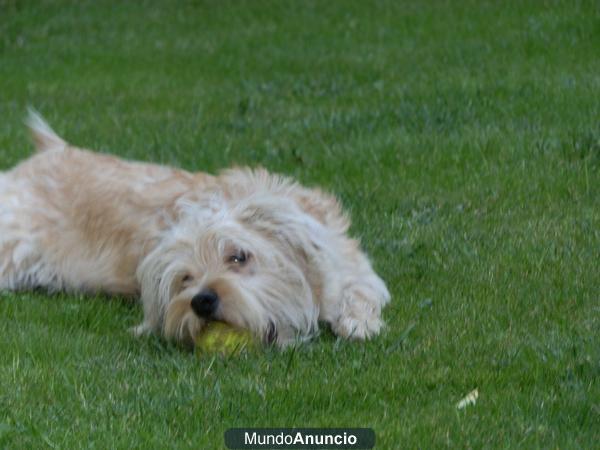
464,139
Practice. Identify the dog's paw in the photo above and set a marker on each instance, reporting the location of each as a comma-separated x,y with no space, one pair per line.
350,327
359,316
140,330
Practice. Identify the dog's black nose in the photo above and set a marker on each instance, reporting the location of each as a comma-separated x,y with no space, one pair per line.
205,303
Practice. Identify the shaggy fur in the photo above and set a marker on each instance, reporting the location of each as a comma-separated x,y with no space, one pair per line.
275,255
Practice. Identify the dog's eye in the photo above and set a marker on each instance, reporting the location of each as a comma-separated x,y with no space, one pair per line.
239,258
187,278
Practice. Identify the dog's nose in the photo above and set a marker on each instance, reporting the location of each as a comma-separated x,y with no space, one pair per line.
205,303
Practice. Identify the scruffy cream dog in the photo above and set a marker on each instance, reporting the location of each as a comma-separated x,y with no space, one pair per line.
246,247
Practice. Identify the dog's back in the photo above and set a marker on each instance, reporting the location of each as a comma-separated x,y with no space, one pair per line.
78,220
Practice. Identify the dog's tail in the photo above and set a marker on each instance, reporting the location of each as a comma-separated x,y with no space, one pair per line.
43,136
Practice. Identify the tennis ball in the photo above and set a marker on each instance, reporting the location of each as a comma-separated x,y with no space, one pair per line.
219,337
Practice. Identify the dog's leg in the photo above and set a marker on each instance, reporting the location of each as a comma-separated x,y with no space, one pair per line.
353,295
350,294
20,264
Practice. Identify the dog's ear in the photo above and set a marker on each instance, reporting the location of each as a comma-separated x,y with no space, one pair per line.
282,220
43,136
155,276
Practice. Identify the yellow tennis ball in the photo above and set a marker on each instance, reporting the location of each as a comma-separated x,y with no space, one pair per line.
219,337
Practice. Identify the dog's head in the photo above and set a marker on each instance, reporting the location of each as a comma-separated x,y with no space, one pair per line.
248,262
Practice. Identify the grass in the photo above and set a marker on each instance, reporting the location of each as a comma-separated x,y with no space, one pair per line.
463,137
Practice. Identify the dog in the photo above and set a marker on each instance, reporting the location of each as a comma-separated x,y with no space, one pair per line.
252,249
